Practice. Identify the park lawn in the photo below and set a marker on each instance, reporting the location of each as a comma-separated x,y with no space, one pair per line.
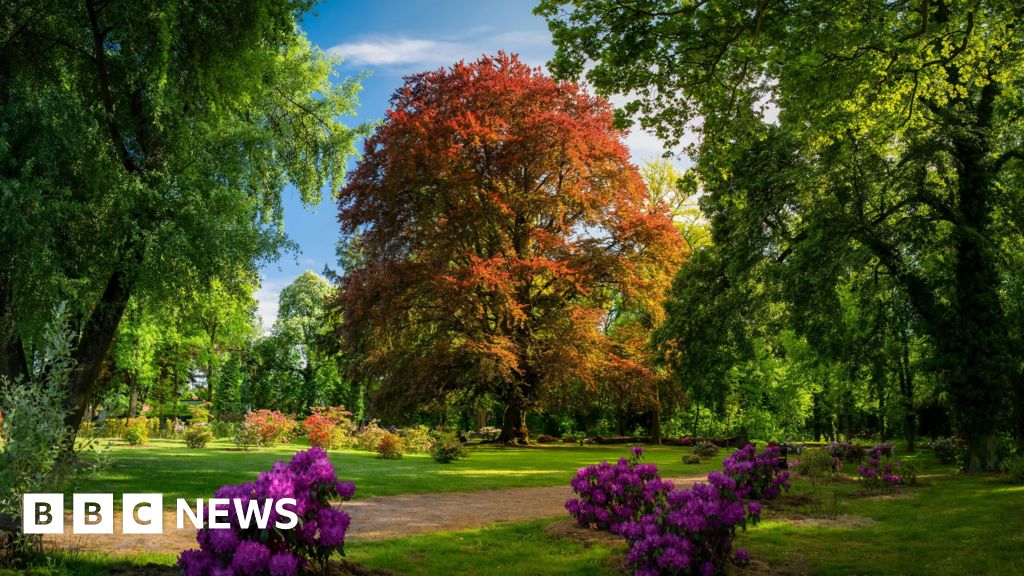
168,467
951,524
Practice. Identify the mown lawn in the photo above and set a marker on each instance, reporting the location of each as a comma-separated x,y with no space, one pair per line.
169,467
948,524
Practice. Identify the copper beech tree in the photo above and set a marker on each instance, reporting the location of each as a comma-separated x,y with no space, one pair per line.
500,223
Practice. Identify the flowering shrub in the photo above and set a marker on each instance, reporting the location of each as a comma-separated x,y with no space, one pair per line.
329,427
417,439
198,435
136,431
268,427
309,478
448,449
489,432
610,495
199,414
947,450
705,449
692,532
909,470
817,464
758,475
368,437
846,451
390,446
879,474
886,449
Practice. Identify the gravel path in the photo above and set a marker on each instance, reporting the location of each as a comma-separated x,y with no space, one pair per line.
377,518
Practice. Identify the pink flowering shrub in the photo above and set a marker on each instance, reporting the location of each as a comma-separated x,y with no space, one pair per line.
268,427
880,473
758,475
309,479
610,495
846,451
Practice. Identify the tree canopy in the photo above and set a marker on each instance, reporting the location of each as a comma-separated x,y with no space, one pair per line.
499,219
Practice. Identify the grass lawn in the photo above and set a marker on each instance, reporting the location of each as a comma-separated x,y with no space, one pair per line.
169,467
948,524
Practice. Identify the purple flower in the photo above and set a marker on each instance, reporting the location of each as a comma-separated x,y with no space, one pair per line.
250,558
284,564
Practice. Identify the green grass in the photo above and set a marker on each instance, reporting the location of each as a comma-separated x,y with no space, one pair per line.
510,550
168,467
951,524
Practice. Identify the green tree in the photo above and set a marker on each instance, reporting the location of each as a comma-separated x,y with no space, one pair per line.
903,116
144,151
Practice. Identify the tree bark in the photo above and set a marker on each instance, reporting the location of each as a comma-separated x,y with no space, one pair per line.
1018,411
513,425
97,336
656,423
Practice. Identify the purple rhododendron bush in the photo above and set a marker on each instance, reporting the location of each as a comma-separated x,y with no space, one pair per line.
678,532
308,478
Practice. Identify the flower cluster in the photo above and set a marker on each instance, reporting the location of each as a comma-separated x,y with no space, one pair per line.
880,473
886,449
329,427
268,427
308,478
758,475
846,451
610,495
692,532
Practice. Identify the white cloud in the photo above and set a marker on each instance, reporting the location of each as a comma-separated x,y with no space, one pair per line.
399,52
266,298
407,54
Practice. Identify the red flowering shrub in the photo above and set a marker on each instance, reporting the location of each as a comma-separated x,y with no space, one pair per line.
329,427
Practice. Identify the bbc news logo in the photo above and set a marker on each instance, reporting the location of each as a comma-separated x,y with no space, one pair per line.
143,513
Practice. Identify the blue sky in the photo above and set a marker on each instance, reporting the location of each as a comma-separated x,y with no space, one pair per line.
390,39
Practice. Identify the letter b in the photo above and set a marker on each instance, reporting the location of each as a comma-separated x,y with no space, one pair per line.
42,514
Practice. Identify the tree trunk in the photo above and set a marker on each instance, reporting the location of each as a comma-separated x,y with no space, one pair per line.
12,354
97,335
513,425
481,418
133,396
656,423
1018,411
906,379
696,420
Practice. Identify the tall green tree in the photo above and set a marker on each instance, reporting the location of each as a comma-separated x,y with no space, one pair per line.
904,115
144,151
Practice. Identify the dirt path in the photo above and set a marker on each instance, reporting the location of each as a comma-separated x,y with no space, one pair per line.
377,518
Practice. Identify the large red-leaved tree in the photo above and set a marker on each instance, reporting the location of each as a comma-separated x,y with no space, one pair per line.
500,222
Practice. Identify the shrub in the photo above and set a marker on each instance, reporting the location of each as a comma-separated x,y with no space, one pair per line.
546,439
417,439
489,432
691,459
947,450
244,437
610,495
390,446
136,431
692,532
329,427
33,436
448,449
309,476
86,430
909,471
886,449
198,435
269,427
705,449
369,436
112,428
879,474
846,451
1013,467
200,414
817,464
758,475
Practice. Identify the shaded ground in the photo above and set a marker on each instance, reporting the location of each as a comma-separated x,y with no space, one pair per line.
378,518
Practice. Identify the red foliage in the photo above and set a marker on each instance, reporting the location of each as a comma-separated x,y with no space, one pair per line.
500,217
